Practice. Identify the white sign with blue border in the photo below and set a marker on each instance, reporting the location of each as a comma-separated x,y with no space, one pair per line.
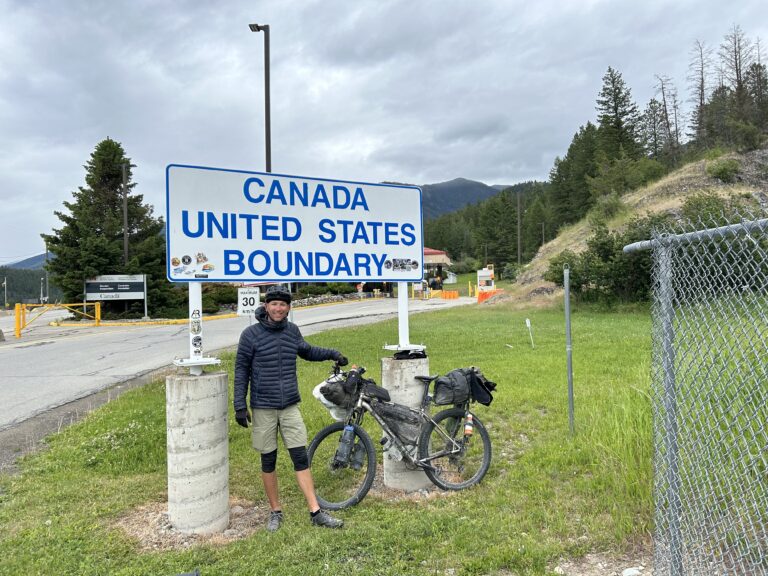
239,226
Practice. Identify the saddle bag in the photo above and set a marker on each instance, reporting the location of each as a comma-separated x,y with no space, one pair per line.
480,388
453,387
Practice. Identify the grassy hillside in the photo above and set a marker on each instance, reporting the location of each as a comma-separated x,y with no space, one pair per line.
665,195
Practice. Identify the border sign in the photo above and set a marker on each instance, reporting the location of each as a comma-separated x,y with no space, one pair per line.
238,226
116,287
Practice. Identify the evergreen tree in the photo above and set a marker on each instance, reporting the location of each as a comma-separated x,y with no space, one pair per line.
757,87
90,242
569,190
618,118
653,129
717,114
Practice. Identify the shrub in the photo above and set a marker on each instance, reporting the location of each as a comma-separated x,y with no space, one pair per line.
220,293
321,288
465,264
606,207
510,271
724,169
210,306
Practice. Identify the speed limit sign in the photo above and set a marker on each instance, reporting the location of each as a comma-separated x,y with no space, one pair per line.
247,301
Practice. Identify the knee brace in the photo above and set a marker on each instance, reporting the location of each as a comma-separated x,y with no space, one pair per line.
299,457
268,461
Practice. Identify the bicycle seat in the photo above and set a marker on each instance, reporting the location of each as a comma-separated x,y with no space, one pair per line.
426,379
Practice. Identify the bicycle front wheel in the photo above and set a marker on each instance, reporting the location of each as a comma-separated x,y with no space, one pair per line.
341,484
455,461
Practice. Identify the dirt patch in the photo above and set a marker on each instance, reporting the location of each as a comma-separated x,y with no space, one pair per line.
151,527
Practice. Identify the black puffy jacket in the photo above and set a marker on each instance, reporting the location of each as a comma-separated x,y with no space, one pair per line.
266,359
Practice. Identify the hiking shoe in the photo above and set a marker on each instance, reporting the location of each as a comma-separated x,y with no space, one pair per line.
322,518
274,522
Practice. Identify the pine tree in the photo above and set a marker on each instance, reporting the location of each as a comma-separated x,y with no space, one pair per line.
90,242
569,191
654,129
618,118
757,87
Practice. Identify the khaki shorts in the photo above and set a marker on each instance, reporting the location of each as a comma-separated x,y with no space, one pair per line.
266,423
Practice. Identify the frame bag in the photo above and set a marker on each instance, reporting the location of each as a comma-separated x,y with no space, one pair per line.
405,423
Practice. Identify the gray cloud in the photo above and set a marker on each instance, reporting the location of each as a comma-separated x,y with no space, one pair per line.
403,91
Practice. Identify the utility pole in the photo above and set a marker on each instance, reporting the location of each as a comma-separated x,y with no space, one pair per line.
5,291
47,287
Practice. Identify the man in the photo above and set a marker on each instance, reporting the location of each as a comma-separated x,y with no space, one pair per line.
266,364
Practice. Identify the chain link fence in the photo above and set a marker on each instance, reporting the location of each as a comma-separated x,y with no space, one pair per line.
710,396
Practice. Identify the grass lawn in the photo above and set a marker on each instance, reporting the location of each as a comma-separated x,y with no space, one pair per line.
547,494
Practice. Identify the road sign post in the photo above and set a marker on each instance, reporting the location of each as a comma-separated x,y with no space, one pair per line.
248,300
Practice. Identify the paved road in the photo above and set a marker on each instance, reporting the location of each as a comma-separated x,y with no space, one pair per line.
54,365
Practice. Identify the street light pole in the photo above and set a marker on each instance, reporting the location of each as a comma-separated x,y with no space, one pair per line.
5,292
267,123
519,218
42,280
125,213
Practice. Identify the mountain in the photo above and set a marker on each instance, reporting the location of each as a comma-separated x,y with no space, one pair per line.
444,197
32,263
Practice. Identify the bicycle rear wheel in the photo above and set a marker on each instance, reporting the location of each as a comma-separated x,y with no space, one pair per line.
457,461
341,484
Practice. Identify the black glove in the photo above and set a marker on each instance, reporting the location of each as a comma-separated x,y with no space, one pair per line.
243,417
341,360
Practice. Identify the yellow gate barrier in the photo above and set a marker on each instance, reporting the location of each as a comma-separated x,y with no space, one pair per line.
20,311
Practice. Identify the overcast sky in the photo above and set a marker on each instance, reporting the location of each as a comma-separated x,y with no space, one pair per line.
369,90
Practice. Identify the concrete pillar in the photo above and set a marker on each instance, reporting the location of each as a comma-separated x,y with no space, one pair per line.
398,377
198,452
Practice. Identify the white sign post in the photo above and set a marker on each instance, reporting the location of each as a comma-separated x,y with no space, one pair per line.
238,226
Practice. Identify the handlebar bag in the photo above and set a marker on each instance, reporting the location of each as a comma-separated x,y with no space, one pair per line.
334,392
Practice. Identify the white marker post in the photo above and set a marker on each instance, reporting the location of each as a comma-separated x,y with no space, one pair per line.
530,331
196,360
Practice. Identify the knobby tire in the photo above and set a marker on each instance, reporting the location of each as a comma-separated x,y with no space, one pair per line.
460,470
340,487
